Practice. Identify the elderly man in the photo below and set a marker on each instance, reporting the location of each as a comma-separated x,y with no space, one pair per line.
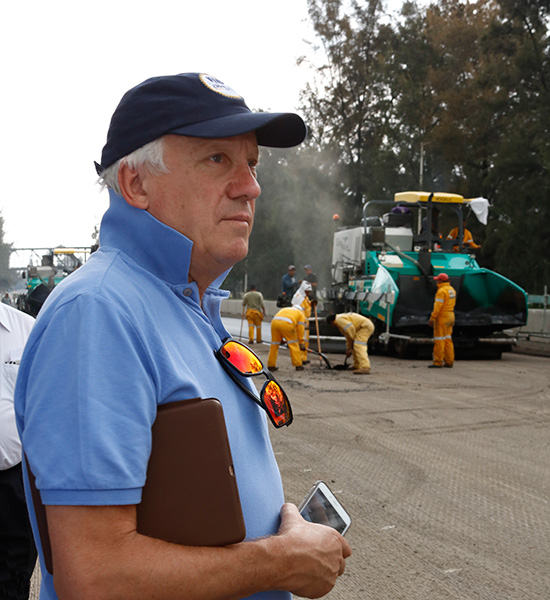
138,326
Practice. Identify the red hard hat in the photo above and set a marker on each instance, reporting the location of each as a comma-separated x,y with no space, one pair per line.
442,277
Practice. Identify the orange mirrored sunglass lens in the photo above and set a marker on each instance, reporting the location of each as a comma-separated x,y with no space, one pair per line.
275,401
243,359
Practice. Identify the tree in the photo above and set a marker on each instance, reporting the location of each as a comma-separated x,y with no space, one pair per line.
6,276
462,87
348,105
455,115
519,46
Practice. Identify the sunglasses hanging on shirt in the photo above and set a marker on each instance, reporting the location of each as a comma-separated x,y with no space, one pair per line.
238,359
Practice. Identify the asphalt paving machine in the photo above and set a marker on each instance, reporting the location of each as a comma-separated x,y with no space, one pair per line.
384,269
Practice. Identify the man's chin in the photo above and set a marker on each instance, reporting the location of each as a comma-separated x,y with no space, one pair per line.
235,254
241,256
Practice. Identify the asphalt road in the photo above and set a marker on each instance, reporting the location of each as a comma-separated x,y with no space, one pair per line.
445,473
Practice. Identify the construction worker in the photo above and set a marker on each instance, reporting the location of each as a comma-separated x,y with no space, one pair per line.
357,330
287,324
253,303
302,299
442,320
311,278
467,240
289,285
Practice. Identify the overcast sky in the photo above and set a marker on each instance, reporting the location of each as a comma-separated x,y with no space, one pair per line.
67,63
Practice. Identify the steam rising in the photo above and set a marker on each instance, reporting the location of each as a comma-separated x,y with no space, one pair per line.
293,223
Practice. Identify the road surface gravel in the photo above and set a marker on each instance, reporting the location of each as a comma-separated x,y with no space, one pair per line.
445,473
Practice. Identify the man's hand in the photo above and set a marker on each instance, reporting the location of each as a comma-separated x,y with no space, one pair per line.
431,323
302,347
349,352
315,555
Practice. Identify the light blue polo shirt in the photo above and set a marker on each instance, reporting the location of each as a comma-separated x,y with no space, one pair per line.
121,335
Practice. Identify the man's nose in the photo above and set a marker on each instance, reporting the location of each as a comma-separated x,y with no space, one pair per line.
244,184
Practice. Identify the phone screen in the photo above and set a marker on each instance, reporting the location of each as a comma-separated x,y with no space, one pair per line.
320,510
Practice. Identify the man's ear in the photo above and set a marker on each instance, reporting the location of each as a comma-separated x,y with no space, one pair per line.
131,186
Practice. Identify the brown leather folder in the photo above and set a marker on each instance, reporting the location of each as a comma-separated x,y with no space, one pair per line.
190,496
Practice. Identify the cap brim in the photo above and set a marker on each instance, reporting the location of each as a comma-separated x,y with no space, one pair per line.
275,130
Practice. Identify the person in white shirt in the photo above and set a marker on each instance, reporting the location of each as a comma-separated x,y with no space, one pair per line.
17,549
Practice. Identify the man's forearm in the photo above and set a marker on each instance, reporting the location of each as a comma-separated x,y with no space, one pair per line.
91,563
98,555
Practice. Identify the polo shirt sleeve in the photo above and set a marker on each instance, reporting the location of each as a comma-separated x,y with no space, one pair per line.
88,390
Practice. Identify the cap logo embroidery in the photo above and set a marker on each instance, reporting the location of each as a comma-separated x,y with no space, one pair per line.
218,86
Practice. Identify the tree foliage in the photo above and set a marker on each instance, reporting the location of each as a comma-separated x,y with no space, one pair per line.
6,276
453,97
347,106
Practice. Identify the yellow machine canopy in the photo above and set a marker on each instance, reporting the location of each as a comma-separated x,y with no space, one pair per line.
423,197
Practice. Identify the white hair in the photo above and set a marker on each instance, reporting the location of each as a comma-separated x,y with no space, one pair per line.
151,156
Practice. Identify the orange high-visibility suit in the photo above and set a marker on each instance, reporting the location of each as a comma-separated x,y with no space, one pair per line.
287,324
306,307
467,240
357,330
253,301
254,319
443,318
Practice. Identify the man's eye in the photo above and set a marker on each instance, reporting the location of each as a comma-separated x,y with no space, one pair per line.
217,158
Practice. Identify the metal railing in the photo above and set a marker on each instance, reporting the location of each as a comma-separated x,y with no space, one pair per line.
537,300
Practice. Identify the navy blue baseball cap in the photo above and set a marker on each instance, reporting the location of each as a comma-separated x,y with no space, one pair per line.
194,105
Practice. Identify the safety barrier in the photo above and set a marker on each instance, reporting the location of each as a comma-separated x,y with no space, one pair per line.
538,319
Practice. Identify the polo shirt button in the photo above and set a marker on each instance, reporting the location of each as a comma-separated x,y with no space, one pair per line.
187,292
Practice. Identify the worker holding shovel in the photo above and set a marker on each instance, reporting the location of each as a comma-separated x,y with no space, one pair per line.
302,301
287,325
357,330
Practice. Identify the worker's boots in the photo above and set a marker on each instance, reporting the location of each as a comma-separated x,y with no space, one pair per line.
362,371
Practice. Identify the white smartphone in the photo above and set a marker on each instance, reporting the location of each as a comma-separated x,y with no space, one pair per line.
321,506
